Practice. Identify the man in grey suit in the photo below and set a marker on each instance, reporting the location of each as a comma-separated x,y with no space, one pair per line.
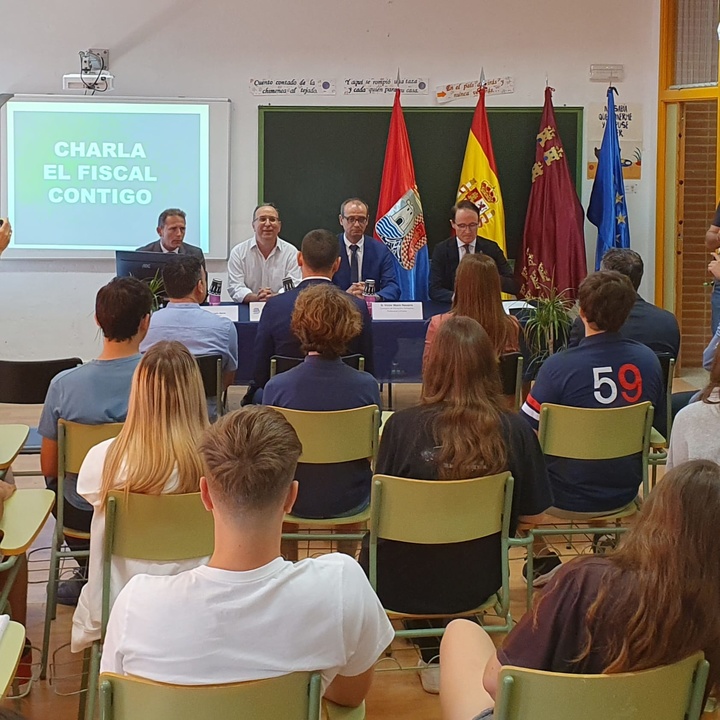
171,233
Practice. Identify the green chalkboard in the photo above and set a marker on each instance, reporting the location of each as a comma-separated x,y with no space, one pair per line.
311,159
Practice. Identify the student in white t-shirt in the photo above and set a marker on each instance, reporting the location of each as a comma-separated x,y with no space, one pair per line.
156,452
250,614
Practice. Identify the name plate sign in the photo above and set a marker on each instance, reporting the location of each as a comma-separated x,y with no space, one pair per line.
256,309
397,311
228,311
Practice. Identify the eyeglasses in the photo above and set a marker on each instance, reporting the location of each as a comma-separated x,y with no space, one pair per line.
467,226
271,220
356,220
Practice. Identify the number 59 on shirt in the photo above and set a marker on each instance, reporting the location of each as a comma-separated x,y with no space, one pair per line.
605,384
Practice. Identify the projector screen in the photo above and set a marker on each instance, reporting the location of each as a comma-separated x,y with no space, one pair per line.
83,177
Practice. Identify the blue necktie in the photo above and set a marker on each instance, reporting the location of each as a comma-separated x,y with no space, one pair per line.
354,272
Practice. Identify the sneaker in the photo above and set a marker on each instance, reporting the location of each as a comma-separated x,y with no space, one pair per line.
603,544
430,675
544,567
68,591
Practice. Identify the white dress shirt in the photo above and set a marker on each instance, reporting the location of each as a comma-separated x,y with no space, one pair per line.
360,244
249,270
461,245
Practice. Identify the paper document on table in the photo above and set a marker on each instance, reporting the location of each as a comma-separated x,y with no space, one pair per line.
256,309
228,311
397,311
509,305
4,622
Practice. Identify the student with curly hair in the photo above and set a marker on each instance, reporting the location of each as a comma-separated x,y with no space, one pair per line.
325,320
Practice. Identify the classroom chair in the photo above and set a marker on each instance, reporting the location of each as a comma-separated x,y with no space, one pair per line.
434,513
591,434
74,441
12,439
282,363
212,378
26,382
672,692
659,444
511,376
355,436
155,528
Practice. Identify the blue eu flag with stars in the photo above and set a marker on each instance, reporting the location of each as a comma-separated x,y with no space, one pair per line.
608,209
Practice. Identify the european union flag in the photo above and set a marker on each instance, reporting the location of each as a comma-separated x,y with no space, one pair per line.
608,209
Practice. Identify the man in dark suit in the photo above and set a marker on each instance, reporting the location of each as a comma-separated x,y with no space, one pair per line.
363,257
446,256
318,260
646,323
171,234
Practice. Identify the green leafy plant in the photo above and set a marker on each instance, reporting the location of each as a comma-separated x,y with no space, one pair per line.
157,288
548,324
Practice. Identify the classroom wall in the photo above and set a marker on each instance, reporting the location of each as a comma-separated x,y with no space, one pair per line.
212,48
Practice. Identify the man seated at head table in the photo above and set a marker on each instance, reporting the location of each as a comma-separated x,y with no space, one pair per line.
94,394
171,236
249,614
258,266
319,261
362,257
465,221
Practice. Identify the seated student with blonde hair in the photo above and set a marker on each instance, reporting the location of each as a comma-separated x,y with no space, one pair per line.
155,453
325,320
650,603
248,614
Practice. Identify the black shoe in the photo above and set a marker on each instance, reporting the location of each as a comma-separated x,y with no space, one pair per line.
68,591
602,544
544,567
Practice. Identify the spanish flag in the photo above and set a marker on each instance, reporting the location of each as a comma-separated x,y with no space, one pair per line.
479,179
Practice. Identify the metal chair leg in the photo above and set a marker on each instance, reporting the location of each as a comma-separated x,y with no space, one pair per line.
50,606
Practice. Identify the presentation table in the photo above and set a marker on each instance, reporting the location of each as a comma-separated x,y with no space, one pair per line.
398,346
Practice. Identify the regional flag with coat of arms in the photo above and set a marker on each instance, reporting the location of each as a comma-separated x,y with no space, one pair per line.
400,224
553,251
479,179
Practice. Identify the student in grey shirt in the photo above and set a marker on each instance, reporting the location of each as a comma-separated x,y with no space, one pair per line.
93,394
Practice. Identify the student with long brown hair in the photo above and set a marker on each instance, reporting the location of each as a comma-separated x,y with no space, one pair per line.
155,453
477,296
696,427
650,603
459,431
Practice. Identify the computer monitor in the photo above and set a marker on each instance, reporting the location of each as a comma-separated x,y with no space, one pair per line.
141,265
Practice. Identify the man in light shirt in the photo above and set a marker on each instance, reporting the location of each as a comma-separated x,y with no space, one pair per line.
249,614
257,267
201,332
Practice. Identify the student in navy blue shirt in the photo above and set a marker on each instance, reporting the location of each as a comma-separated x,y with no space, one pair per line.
325,320
605,370
318,260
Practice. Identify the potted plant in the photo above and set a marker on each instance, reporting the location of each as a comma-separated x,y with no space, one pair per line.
548,325
158,290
